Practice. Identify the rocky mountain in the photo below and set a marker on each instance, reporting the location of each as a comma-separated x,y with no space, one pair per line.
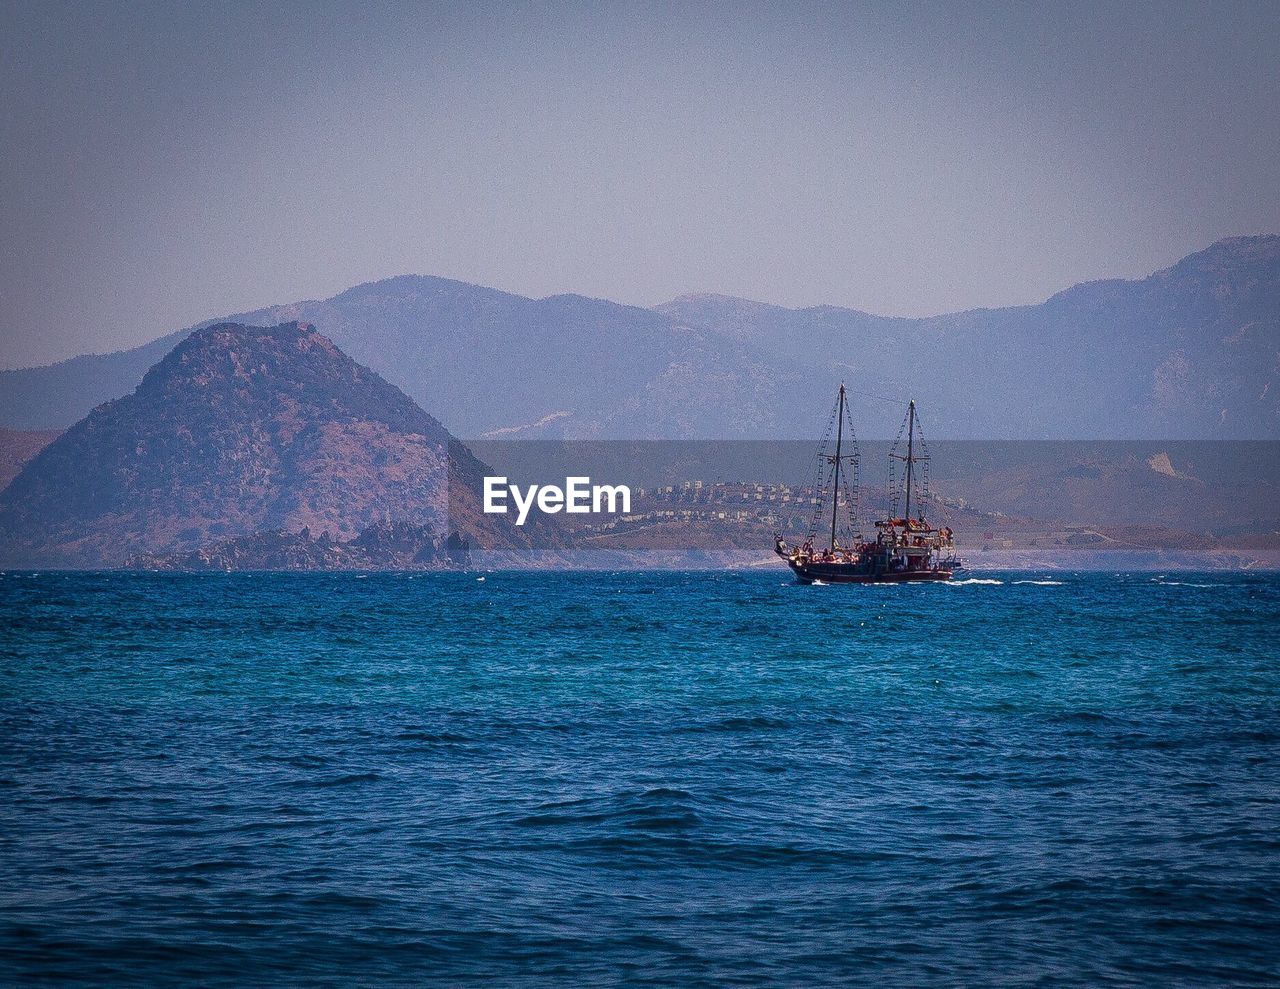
240,430
1191,352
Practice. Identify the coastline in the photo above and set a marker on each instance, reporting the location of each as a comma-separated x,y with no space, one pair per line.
591,561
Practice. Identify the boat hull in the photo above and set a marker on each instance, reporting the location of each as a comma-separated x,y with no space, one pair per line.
849,573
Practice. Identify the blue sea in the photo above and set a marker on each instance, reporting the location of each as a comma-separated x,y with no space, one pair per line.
665,779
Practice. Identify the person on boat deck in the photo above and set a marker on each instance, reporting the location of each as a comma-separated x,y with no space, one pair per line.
780,547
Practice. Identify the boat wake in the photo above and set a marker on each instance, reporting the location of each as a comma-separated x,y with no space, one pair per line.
1041,583
973,580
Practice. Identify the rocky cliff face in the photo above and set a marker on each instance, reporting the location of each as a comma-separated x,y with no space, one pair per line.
239,430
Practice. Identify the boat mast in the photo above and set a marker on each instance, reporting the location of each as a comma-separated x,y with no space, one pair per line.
835,489
911,428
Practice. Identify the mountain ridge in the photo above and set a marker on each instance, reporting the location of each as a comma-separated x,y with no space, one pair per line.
174,336
1188,351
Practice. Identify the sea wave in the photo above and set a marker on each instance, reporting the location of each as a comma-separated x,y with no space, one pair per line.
266,781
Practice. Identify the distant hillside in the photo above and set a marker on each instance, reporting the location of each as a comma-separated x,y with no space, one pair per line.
55,396
565,365
19,446
239,430
1189,352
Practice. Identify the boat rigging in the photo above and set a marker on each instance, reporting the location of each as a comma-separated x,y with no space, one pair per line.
906,547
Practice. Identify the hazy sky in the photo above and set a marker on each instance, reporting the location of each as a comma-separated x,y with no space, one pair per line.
165,163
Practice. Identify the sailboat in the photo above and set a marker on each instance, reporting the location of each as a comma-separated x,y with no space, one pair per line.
906,547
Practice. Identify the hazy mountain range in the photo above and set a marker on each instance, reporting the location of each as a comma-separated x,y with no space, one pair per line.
1189,352
268,447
